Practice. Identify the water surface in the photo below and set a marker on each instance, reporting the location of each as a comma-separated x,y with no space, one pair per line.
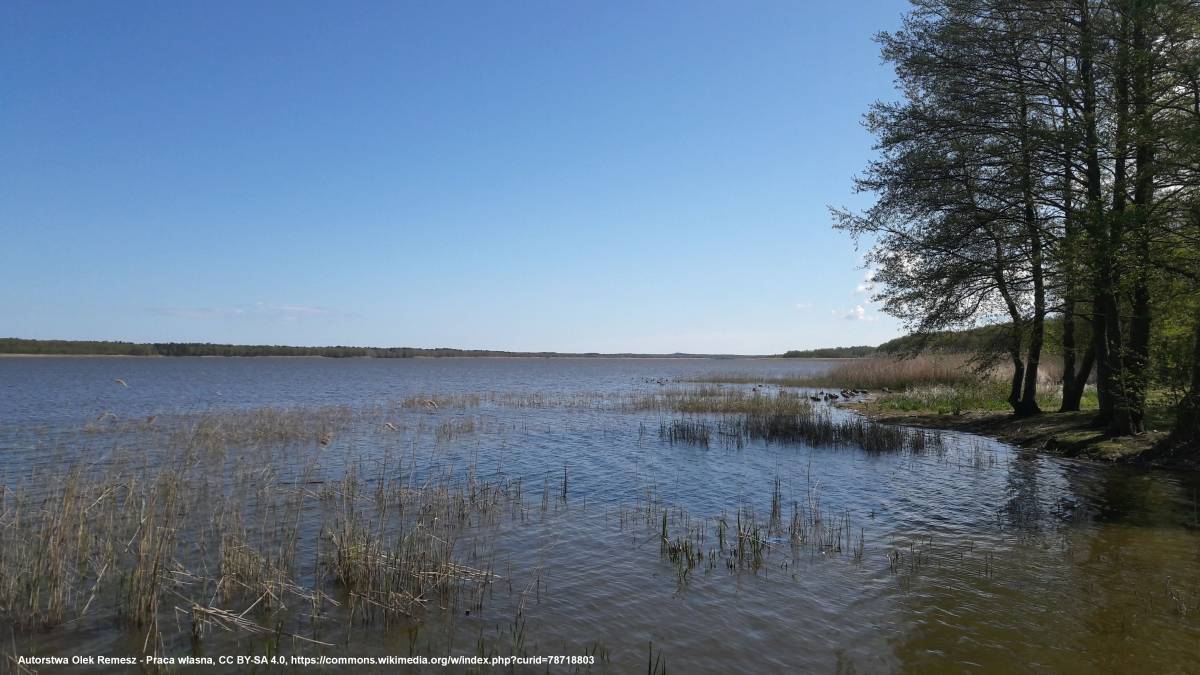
981,558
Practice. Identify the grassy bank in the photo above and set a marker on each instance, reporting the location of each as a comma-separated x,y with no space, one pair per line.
950,392
1069,434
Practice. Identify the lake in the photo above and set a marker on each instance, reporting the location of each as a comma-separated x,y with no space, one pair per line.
968,555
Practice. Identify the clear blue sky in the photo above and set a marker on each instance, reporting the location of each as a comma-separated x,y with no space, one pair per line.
571,176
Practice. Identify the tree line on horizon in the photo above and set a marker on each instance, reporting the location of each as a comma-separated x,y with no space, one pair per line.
26,346
1042,164
117,348
980,340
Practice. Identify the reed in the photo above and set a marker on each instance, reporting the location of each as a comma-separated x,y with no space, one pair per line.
686,431
655,664
451,429
816,429
208,524
434,402
721,400
746,542
883,372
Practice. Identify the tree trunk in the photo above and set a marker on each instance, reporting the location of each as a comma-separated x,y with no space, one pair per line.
1095,223
1124,366
1126,415
1138,355
1028,404
1014,352
1014,337
1014,394
1068,347
1070,269
1120,423
1075,382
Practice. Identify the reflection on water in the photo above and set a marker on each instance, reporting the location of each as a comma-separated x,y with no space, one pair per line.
979,558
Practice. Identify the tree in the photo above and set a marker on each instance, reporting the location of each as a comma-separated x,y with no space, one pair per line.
964,226
1043,161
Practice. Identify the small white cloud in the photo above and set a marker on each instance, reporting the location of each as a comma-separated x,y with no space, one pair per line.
858,313
867,284
804,305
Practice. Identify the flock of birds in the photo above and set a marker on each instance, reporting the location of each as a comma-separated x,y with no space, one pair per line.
844,394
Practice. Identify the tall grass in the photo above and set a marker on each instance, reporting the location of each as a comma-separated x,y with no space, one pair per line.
209,525
724,400
817,429
744,540
945,382
226,428
988,395
436,402
875,373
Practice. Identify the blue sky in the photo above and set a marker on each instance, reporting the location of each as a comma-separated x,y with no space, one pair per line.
570,176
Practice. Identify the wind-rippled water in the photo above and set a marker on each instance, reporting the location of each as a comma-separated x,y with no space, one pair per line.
981,558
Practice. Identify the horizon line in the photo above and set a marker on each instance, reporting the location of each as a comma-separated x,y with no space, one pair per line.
465,350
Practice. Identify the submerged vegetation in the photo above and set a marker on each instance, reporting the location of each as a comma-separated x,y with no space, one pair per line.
746,540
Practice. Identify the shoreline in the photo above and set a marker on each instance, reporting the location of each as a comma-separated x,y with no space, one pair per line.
1058,434
627,357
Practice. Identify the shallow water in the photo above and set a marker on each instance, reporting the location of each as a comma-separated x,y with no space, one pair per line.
981,558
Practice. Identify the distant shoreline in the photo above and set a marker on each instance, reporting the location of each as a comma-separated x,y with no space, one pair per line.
26,348
631,357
